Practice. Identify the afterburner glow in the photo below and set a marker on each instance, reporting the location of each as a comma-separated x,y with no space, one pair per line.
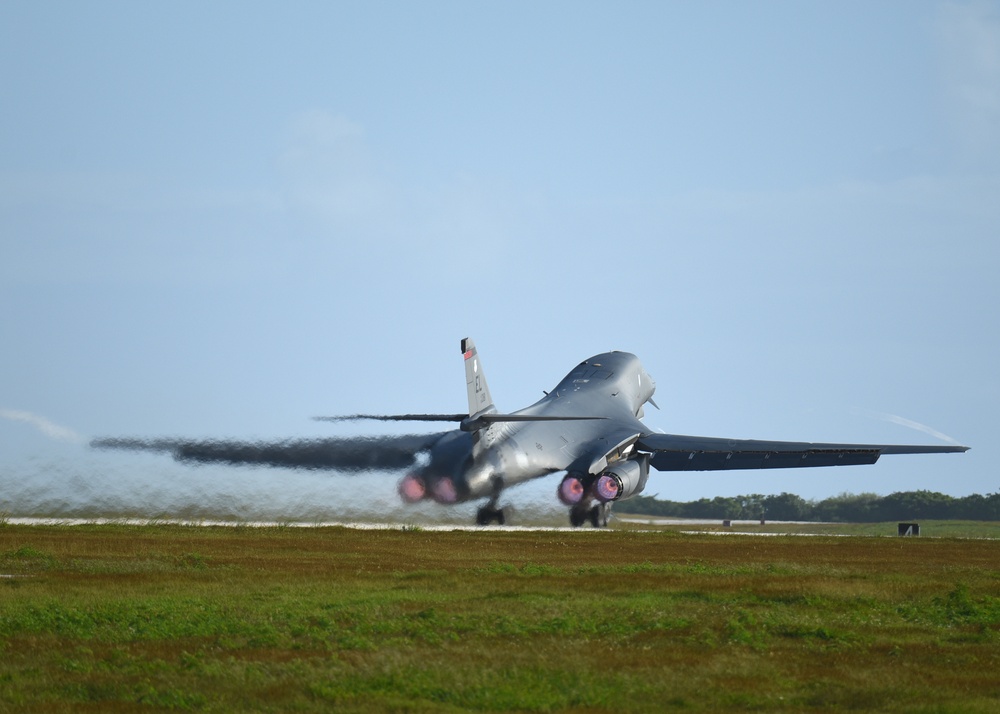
608,487
412,488
444,490
571,490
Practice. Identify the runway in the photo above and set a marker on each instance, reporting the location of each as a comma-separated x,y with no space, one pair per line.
654,523
356,525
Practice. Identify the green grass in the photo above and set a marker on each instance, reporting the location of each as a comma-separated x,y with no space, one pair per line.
928,528
171,618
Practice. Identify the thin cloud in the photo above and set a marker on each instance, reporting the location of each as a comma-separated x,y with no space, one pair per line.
328,170
970,35
49,428
910,424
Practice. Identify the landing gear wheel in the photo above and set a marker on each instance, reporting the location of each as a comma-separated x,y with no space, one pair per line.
598,515
488,514
485,516
578,515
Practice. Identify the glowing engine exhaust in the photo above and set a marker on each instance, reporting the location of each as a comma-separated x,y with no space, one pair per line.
412,488
622,480
572,489
443,490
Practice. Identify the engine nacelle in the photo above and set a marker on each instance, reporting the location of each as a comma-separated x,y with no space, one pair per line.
622,480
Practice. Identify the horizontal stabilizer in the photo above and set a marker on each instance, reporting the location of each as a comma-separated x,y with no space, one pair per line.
394,417
491,418
481,419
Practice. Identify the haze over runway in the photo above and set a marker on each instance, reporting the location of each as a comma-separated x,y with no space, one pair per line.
219,221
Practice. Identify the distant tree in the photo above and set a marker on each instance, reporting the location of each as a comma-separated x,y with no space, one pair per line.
718,507
651,506
977,508
786,507
992,507
910,505
847,508
702,508
751,506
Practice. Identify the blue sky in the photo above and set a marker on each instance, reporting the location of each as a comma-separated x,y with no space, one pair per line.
221,219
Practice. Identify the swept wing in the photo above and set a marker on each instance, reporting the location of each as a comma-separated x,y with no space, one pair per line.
343,454
675,452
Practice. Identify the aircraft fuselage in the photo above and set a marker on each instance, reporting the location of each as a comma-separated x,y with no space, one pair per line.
611,388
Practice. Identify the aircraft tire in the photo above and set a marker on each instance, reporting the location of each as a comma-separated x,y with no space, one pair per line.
599,515
486,515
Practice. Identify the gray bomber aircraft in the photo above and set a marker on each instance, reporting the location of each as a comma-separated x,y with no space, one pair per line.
589,427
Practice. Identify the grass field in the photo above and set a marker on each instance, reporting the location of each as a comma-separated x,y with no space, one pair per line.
928,529
122,618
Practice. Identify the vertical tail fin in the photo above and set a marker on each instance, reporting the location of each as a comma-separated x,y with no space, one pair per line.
480,401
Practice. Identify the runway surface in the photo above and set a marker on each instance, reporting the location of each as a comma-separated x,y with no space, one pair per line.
655,523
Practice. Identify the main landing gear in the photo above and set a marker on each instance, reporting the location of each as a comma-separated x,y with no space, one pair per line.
589,511
489,514
596,513
492,512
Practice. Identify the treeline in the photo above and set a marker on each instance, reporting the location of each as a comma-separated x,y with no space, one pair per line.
845,508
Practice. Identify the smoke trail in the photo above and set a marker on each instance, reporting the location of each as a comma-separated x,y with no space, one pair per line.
346,479
50,429
92,484
910,424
